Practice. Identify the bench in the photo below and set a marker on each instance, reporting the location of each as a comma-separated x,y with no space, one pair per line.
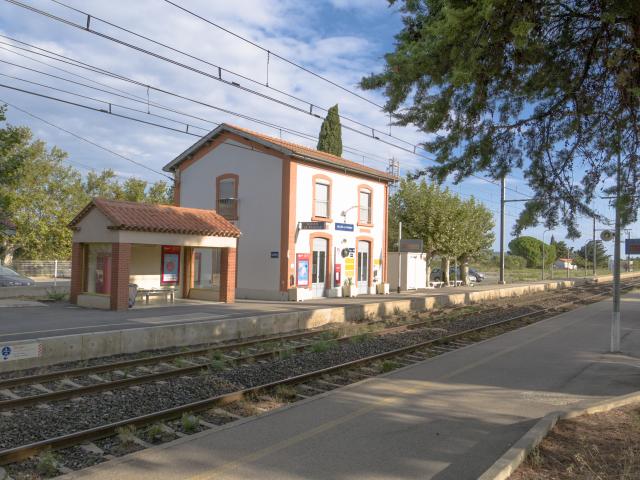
436,284
455,283
157,292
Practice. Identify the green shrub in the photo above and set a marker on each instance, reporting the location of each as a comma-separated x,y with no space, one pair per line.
515,262
530,248
323,345
389,365
189,422
47,465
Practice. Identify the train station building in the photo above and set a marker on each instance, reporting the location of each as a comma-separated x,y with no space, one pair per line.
313,224
159,250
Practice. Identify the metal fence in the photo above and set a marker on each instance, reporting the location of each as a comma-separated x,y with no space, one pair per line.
43,268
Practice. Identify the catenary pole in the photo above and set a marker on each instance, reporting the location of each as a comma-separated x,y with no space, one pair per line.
593,246
615,317
503,188
400,257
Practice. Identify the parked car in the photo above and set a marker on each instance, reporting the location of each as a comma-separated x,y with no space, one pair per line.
11,278
479,275
436,275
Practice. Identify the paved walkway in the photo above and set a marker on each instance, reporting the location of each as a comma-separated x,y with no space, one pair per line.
53,319
449,417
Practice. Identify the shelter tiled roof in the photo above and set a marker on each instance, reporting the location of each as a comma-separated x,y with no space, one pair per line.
288,148
145,217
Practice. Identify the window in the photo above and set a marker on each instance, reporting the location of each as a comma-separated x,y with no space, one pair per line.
227,196
364,206
321,200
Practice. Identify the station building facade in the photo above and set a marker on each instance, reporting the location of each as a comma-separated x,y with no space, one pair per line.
311,222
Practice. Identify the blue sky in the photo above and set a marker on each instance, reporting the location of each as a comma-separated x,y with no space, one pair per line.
340,39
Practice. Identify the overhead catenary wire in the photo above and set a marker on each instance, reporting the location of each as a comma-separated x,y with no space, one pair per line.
86,140
270,53
92,68
308,104
413,150
78,64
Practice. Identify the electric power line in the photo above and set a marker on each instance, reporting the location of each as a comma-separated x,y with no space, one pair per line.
84,139
272,54
78,64
219,77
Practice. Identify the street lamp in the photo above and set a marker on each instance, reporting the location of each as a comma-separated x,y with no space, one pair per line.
543,234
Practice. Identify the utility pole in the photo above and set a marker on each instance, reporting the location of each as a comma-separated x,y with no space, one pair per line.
593,246
615,318
503,190
400,257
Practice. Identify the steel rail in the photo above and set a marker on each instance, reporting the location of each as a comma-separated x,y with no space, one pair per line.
22,452
222,347
199,368
156,359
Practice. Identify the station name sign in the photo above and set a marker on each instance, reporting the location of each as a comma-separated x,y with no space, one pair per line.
345,227
632,246
313,225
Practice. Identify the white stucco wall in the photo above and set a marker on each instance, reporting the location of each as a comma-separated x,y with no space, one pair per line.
93,229
259,208
344,198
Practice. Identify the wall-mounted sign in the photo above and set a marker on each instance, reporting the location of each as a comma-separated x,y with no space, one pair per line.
302,269
313,225
275,254
170,264
632,246
344,227
411,245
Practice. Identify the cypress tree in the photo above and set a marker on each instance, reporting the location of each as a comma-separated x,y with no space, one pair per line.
330,139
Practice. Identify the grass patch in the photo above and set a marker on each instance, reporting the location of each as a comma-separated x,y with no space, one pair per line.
189,422
127,434
47,465
323,345
361,338
285,393
388,365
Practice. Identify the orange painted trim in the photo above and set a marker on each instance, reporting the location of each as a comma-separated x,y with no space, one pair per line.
364,230
365,238
361,187
328,271
219,179
385,233
288,224
321,178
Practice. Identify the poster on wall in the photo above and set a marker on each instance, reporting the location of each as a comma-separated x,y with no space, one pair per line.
170,265
302,269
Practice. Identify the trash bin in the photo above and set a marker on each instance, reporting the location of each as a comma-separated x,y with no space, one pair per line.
133,291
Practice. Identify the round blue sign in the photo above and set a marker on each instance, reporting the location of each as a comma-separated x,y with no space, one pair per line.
6,351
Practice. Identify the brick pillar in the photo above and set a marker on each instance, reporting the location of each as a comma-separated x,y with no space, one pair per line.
228,275
120,260
77,271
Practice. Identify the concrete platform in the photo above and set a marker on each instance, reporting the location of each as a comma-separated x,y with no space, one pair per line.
449,417
63,332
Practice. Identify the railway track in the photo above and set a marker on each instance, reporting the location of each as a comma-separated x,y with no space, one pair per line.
316,380
195,360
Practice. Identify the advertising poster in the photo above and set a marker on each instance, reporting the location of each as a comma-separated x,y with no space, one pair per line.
170,264
302,269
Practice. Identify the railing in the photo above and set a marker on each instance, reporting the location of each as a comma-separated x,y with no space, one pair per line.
43,268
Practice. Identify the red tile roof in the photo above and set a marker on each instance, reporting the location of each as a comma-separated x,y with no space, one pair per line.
289,148
145,217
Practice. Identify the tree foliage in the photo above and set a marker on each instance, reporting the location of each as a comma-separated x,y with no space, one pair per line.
530,248
447,225
602,258
40,195
330,138
495,82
